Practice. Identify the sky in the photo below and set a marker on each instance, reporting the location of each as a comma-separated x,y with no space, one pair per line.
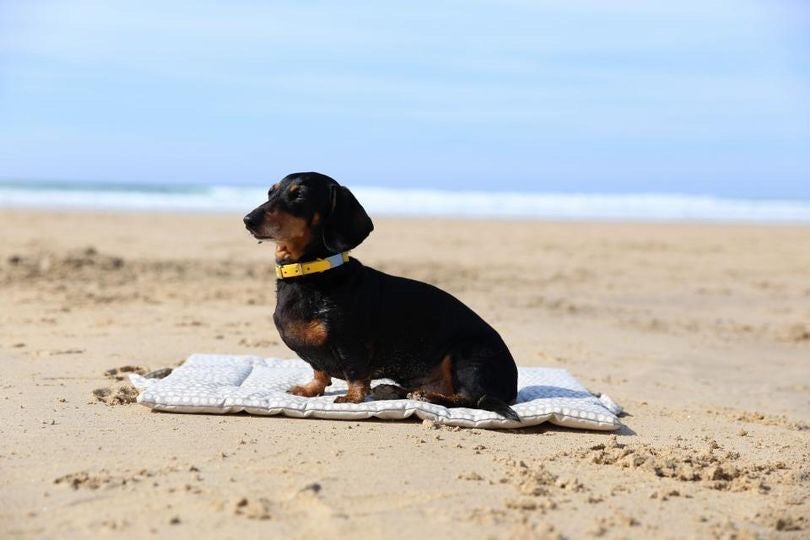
591,96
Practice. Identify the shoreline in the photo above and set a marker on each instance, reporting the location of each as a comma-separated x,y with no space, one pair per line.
439,203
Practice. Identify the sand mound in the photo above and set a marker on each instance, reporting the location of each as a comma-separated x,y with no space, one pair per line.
713,467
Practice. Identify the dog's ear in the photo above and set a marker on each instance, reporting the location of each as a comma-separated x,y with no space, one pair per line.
347,223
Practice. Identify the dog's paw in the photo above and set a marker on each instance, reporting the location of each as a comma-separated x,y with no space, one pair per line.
347,399
304,390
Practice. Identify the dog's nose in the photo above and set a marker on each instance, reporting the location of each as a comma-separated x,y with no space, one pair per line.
250,220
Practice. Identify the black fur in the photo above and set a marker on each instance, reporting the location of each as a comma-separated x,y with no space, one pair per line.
378,325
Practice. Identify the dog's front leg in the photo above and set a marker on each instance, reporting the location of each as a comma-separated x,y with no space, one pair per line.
358,390
354,361
313,388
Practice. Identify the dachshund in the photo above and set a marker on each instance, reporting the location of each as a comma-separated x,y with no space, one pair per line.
355,323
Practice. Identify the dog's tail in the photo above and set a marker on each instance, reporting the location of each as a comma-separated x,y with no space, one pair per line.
489,403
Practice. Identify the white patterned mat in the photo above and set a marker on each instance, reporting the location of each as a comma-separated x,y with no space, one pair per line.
214,383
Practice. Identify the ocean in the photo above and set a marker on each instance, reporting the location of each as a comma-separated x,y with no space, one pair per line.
411,202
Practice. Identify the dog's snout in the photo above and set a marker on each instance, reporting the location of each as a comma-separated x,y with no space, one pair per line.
251,220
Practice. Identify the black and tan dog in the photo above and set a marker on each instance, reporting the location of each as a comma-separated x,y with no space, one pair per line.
355,323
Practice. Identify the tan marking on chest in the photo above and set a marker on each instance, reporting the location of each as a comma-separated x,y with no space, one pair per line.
306,332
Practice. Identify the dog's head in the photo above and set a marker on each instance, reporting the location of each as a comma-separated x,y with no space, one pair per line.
309,215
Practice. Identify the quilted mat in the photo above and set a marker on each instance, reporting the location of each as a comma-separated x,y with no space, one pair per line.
213,383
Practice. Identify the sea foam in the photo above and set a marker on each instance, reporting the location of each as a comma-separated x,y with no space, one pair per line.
415,202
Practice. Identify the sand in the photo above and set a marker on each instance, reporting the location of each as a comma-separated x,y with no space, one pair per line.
702,332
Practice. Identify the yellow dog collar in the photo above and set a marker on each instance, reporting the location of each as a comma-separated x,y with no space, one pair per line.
284,271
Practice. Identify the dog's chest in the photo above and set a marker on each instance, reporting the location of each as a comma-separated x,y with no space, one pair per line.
300,318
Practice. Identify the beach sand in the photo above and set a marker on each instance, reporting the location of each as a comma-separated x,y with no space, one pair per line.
702,332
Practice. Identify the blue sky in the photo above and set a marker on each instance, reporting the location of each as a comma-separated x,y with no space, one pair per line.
687,97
